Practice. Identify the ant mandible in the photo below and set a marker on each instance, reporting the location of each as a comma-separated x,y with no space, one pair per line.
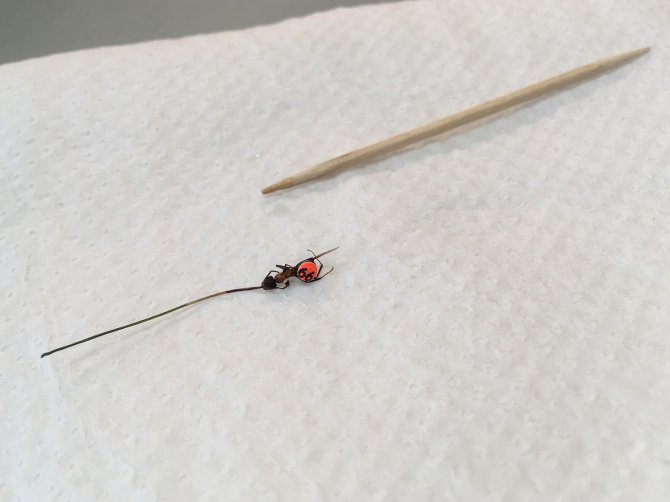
307,271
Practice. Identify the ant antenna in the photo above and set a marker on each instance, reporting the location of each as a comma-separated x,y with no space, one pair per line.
150,318
325,252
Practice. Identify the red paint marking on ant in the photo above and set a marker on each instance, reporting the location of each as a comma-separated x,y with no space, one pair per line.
307,271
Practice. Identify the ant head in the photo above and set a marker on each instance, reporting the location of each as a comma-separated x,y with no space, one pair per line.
269,283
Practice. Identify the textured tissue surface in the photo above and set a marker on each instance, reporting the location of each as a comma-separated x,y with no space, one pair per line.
496,327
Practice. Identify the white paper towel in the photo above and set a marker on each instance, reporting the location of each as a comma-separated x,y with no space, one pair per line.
496,327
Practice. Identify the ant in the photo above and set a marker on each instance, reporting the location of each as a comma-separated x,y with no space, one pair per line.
306,270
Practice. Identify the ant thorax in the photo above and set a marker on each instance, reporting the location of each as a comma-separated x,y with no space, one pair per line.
287,272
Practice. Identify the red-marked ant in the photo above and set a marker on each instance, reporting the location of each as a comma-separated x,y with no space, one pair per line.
307,271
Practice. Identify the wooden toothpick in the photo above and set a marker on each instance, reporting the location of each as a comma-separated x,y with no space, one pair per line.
413,136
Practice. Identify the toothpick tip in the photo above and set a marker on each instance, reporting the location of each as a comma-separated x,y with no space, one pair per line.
623,58
639,52
280,185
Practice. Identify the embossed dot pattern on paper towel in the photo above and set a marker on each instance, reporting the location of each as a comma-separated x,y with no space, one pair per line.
496,327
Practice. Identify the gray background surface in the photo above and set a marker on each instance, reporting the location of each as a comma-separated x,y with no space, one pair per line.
39,27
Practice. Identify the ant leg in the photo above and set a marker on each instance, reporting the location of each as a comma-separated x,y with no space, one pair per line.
322,276
286,285
320,268
316,259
